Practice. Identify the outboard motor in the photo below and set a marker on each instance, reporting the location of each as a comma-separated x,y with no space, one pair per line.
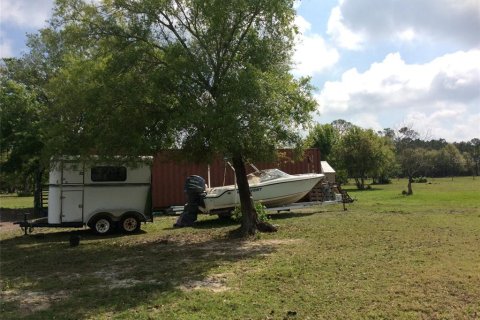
195,192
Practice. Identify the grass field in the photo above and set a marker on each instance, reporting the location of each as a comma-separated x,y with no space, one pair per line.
387,257
11,201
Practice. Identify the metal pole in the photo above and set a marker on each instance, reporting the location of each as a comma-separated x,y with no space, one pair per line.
208,176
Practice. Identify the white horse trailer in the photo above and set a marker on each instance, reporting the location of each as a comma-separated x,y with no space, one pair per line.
100,196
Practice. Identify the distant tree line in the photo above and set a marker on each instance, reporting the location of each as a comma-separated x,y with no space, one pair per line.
362,154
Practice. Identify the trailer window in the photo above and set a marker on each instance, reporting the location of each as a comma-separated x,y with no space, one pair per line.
109,173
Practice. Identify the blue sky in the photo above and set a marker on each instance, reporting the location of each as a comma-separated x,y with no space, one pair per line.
376,63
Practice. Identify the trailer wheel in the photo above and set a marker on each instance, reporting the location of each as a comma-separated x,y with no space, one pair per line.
102,225
130,223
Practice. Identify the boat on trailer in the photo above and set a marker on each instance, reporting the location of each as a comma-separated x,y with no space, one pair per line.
271,187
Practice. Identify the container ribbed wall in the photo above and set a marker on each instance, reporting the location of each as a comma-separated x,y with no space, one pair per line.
168,175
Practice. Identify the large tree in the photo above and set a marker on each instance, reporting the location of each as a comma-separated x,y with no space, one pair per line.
24,111
20,136
209,77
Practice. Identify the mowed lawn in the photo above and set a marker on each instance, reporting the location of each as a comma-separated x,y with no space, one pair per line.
387,257
11,201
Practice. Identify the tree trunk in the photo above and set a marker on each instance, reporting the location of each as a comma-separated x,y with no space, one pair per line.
250,221
249,214
37,194
410,191
360,182
357,183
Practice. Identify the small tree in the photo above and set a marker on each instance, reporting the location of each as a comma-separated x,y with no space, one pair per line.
476,154
453,160
469,164
412,161
322,137
363,153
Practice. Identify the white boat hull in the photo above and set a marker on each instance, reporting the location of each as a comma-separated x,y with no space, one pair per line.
272,193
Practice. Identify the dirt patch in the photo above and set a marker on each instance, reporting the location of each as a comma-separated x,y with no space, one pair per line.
232,248
33,301
270,242
8,226
112,280
214,283
217,282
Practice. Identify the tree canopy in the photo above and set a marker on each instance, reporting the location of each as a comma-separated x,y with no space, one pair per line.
363,154
322,137
207,77
20,130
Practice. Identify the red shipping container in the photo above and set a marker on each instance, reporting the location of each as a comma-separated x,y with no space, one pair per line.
168,176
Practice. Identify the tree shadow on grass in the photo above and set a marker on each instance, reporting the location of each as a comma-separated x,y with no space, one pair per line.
355,190
44,277
215,223
288,215
17,214
61,236
208,224
227,222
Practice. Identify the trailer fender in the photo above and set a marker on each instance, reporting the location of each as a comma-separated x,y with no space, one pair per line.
139,215
94,216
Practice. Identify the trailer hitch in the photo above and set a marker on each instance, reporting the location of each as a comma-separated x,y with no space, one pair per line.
26,225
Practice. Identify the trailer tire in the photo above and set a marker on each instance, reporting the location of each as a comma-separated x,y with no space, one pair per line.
101,225
130,223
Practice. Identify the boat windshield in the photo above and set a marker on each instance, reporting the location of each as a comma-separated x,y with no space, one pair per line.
266,175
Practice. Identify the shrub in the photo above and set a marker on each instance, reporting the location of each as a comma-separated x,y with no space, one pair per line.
420,180
261,211
24,194
341,177
382,180
259,207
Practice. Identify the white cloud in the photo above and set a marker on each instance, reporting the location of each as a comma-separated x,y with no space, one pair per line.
367,120
312,54
6,50
25,13
341,34
354,22
452,125
443,93
302,24
407,35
